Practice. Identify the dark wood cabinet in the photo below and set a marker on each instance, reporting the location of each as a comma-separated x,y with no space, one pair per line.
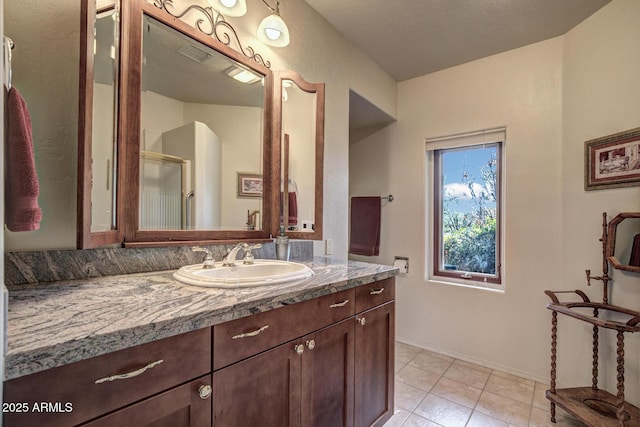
90,388
305,382
324,362
327,376
188,405
340,375
263,390
374,365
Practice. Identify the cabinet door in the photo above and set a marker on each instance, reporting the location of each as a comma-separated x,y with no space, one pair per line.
374,365
263,390
327,376
183,406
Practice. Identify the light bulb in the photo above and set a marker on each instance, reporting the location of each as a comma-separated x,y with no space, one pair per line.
273,31
233,8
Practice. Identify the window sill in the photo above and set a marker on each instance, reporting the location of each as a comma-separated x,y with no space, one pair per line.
473,284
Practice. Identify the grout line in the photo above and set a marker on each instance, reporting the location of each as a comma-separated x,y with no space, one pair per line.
474,409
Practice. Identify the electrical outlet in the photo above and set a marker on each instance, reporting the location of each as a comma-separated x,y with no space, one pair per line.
328,249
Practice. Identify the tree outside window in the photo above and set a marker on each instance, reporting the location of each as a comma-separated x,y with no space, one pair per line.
467,212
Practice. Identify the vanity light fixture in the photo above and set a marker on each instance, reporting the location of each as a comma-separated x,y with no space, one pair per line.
194,53
272,30
242,75
212,23
233,8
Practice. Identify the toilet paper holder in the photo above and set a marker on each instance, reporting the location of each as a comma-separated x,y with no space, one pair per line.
401,262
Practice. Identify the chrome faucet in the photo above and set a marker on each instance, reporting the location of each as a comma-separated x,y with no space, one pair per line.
248,256
208,262
230,259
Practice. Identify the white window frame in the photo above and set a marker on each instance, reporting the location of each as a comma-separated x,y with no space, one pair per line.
486,136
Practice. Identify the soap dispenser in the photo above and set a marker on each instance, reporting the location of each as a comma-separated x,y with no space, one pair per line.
282,245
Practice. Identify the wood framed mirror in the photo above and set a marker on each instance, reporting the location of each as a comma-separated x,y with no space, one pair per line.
99,220
623,241
192,128
299,136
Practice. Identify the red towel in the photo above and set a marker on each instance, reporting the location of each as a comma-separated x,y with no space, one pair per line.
293,208
21,210
365,226
634,259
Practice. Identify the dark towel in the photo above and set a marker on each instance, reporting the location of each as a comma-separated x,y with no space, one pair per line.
21,209
293,208
365,226
634,259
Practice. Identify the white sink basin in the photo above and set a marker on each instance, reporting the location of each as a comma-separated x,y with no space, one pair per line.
261,272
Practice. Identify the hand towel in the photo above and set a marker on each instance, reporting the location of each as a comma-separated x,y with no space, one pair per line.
21,187
293,208
365,226
634,259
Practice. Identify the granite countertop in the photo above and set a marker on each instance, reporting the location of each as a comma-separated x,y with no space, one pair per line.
57,323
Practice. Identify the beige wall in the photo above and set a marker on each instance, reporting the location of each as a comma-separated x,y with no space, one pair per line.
551,96
601,65
46,72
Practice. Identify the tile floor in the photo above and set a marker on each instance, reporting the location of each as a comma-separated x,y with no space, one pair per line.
436,390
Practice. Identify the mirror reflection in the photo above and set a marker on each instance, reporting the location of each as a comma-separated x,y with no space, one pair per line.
627,243
298,157
201,132
106,55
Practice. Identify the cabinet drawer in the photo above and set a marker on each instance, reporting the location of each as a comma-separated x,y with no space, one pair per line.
182,406
95,386
373,294
241,338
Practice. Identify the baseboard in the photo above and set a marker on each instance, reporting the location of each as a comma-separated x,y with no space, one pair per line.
486,363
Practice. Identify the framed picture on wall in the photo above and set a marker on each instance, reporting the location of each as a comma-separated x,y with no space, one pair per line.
612,161
249,184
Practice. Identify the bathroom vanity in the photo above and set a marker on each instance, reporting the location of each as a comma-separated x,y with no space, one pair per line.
144,349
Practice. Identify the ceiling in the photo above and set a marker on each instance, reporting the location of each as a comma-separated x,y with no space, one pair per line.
411,38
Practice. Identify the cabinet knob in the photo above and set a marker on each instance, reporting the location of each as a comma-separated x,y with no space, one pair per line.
311,344
362,321
299,349
205,391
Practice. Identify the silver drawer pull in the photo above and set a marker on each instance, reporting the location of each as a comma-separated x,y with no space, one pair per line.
339,304
250,334
362,321
129,374
376,291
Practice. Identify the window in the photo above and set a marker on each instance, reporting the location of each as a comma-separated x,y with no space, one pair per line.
466,206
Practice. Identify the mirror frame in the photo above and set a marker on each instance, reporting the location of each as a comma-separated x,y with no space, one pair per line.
319,90
130,113
611,241
85,237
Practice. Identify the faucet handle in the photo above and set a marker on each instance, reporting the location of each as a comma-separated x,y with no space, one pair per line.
208,262
248,256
